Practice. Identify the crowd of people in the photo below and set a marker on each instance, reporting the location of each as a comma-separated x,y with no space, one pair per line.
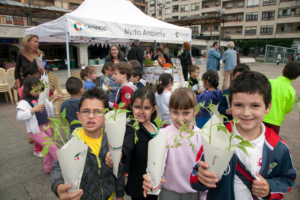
259,104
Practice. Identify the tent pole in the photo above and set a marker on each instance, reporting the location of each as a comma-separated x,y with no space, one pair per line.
154,47
68,54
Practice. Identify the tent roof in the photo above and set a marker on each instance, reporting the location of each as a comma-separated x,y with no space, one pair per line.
109,21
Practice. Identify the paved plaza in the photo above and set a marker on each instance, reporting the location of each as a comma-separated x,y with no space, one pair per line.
22,175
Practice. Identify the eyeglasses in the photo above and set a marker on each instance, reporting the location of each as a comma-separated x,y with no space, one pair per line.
97,113
198,72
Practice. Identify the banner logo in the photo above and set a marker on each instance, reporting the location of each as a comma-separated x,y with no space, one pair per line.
177,34
80,155
77,26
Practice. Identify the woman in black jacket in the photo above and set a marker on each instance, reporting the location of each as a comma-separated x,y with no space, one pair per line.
114,56
143,107
185,59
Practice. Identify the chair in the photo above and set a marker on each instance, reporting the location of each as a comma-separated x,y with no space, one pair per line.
4,86
76,74
11,80
53,80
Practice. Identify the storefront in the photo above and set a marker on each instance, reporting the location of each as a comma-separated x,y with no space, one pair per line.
8,52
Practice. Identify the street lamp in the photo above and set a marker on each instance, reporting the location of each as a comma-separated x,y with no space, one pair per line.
161,5
221,12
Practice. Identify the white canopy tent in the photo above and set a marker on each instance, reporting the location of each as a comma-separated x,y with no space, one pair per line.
107,22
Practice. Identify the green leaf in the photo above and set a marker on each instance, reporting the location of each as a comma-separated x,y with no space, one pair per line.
121,105
114,109
158,122
135,138
243,149
137,127
223,116
47,138
175,139
246,143
123,111
222,128
63,115
55,121
181,122
167,146
105,109
75,122
178,145
163,123
193,147
239,137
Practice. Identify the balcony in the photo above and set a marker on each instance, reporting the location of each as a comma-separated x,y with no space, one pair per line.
270,2
291,15
250,32
21,21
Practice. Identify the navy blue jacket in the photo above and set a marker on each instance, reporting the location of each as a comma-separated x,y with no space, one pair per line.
208,96
223,106
281,178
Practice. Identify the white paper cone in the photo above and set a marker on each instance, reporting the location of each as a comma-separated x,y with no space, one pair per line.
184,84
72,158
215,154
175,86
156,157
298,105
104,87
39,60
200,84
115,135
49,108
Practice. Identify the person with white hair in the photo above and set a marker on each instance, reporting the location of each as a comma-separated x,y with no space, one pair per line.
229,58
136,53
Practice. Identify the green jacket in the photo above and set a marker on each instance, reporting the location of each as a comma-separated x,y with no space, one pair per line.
283,98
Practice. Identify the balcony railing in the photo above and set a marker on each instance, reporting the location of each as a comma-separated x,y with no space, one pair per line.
233,6
234,20
266,33
267,3
24,21
233,32
250,32
291,15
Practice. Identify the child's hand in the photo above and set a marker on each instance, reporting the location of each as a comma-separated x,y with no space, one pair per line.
62,192
37,108
110,88
56,98
205,177
200,90
108,160
147,185
229,111
260,188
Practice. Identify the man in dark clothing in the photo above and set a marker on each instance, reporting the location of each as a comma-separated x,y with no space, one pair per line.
136,53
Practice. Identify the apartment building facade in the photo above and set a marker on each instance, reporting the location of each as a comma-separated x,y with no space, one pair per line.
245,19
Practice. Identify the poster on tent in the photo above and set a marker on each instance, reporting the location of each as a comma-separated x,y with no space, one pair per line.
149,75
157,74
176,75
168,71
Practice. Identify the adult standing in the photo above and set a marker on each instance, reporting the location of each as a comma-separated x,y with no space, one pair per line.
237,57
149,54
278,58
230,60
214,57
185,59
136,53
165,49
163,59
26,57
293,58
114,55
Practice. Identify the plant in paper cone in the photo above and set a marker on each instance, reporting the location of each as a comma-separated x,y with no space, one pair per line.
43,85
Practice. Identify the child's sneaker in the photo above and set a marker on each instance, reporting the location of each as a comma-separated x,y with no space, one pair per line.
38,154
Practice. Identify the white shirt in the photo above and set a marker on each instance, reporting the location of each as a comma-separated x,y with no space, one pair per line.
252,163
279,57
162,101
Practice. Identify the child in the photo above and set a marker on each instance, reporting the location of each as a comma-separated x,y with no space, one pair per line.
121,73
137,75
162,96
136,65
268,171
143,107
29,72
211,93
179,161
194,72
224,108
74,87
98,181
89,74
109,81
283,96
35,117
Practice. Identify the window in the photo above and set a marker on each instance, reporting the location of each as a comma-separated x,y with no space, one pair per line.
251,16
238,31
159,12
269,2
229,5
250,31
183,17
216,28
228,18
175,8
195,30
268,15
252,3
241,4
8,17
168,11
266,30
152,3
167,2
286,28
184,8
195,6
175,17
227,31
205,28
76,6
240,17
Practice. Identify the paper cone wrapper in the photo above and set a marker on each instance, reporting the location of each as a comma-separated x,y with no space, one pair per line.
215,154
175,86
176,75
39,61
227,98
184,84
200,84
49,108
42,97
71,159
298,105
104,87
115,135
156,157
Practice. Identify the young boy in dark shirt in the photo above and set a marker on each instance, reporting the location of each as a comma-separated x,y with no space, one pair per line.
194,72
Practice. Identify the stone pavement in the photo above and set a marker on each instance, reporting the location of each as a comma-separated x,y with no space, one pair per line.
22,175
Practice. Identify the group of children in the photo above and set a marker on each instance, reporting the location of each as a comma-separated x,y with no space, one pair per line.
268,172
